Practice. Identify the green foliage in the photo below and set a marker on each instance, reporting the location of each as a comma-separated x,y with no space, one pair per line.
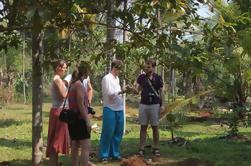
175,112
152,33
9,39
59,17
218,53
19,84
238,117
229,57
173,121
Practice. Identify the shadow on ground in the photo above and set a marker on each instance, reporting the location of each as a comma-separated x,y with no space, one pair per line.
4,123
16,163
14,143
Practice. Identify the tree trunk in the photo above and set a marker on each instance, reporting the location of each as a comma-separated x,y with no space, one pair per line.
173,84
172,71
110,37
197,88
125,38
23,69
37,91
69,50
187,84
162,69
172,133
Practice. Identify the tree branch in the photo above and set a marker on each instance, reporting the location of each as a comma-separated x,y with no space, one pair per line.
12,28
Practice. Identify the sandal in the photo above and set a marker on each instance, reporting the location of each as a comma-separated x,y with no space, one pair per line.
156,152
104,160
141,152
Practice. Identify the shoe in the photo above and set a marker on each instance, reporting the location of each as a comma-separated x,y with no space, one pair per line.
104,160
118,158
141,153
156,152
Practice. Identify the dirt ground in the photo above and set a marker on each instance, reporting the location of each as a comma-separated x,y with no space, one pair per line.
158,161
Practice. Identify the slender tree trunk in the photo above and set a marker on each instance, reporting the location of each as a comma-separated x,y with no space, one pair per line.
162,70
125,38
172,70
188,84
37,91
23,69
197,88
110,37
157,48
163,74
173,84
69,50
172,134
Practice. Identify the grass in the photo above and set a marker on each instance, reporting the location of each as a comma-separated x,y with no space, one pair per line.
203,138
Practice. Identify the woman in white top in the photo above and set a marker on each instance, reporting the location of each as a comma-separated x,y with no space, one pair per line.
58,135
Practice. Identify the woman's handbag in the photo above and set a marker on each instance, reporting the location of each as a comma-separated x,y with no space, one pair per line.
68,115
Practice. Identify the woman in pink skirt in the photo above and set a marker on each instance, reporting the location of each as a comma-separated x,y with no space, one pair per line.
58,135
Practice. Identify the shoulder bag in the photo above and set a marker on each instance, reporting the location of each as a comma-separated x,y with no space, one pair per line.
68,115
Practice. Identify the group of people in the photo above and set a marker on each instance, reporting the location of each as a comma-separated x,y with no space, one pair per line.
77,91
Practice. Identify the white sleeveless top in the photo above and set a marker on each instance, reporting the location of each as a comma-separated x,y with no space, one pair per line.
56,98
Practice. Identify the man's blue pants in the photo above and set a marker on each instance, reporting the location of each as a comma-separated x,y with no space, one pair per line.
112,132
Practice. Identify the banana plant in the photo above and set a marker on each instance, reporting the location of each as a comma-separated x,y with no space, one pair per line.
172,115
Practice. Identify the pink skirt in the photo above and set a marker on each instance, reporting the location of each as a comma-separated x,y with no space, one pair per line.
58,135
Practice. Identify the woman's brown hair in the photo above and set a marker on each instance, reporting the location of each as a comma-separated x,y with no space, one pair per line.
82,69
59,63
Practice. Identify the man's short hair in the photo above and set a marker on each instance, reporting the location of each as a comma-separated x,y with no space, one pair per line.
151,62
116,64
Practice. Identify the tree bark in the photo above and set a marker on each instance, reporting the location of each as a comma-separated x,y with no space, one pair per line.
37,91
110,37
187,84
23,69
125,38
173,84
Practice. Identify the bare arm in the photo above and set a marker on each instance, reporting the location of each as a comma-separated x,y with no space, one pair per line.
162,99
60,86
162,96
89,92
136,89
